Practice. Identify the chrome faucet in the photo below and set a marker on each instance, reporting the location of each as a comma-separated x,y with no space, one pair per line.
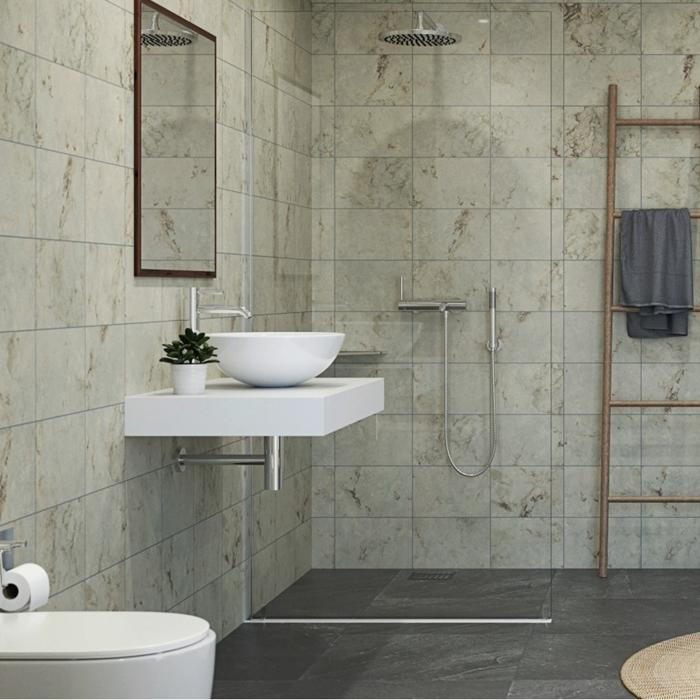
197,310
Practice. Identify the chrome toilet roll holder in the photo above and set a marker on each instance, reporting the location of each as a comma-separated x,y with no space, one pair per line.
6,549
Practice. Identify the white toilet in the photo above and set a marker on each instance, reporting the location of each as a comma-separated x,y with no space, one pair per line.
105,655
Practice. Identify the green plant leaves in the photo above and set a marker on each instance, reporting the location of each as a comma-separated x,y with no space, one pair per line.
190,348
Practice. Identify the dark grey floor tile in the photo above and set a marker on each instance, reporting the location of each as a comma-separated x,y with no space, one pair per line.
624,616
469,593
627,583
374,655
272,652
361,689
568,689
329,593
579,656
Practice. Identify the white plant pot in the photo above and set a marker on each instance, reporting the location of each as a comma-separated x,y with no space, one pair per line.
189,378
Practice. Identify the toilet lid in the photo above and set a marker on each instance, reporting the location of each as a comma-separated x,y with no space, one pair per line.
96,635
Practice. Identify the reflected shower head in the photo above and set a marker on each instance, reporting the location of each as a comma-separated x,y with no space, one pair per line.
154,36
432,35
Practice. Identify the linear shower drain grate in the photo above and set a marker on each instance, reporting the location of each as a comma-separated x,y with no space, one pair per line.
431,575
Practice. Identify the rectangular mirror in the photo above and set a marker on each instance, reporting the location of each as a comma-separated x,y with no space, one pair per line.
175,145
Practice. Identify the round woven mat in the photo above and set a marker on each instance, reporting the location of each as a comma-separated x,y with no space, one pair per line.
669,669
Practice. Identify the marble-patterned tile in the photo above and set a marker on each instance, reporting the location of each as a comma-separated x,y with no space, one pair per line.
372,492
358,32
582,440
373,131
104,447
468,23
373,183
372,234
450,132
585,133
525,32
60,372
105,193
60,95
670,182
665,142
587,78
107,54
451,234
19,23
613,28
104,372
397,382
105,115
521,492
669,80
369,543
584,183
60,543
438,183
323,80
520,80
104,284
450,80
207,604
17,496
235,596
143,588
60,191
105,590
523,285
61,32
520,131
323,30
322,132
17,190
208,559
670,29
669,542
581,491
452,279
518,183
521,543
669,439
60,284
369,286
373,80
464,542
60,460
17,378
669,481
440,492
17,81
235,535
520,234
105,528
380,440
143,512
584,233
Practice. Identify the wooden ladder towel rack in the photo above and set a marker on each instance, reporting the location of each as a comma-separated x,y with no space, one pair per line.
614,122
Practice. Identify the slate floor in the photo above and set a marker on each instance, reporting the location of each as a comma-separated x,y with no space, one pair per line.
596,625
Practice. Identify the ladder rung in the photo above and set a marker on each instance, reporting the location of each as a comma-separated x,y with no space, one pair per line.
693,214
658,403
654,499
634,309
658,122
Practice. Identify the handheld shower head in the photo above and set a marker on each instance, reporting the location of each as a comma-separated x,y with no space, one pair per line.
432,35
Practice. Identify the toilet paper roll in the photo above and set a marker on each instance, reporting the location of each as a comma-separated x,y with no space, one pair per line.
24,587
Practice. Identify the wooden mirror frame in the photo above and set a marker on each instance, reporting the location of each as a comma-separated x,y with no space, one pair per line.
139,270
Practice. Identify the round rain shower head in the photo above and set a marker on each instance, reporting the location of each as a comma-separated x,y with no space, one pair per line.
433,35
155,36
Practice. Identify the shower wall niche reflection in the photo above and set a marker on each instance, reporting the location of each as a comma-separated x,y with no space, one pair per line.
176,146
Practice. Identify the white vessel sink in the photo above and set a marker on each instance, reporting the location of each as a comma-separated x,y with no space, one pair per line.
276,359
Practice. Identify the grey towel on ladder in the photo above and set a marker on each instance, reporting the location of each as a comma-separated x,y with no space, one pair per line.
656,264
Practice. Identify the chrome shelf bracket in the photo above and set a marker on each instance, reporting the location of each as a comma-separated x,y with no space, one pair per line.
271,459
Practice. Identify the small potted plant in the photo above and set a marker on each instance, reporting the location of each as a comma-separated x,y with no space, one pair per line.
189,356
